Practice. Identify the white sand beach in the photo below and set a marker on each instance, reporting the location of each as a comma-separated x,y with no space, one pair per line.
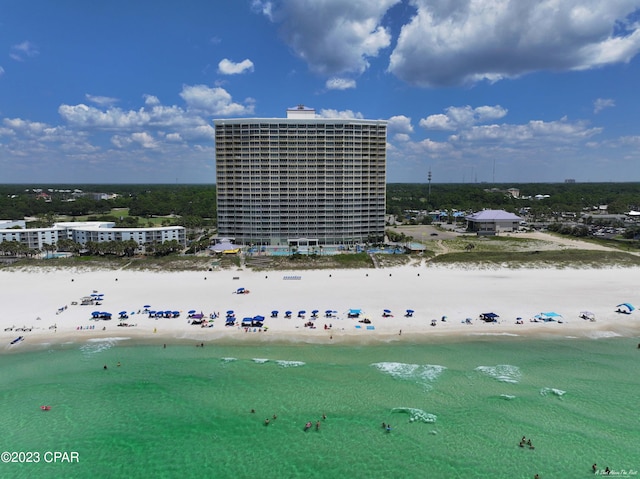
47,303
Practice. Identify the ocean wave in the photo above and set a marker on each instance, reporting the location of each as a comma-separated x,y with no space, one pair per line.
556,392
423,374
260,360
289,364
416,415
228,360
507,397
97,345
494,334
505,373
603,334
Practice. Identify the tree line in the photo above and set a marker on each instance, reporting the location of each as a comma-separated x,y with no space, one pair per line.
195,205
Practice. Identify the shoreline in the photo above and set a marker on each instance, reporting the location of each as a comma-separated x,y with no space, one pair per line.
432,292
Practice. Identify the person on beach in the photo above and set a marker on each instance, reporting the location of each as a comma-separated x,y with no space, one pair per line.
594,468
317,425
266,422
324,416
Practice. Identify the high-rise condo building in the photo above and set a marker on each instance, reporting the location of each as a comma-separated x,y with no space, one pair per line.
301,181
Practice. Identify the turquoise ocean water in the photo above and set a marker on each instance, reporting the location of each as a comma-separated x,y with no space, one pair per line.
457,410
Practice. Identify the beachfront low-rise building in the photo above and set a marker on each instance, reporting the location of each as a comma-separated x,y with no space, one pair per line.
95,231
492,222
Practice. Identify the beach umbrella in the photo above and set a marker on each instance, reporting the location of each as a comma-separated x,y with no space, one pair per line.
230,311
410,311
387,311
259,318
315,311
147,306
191,311
287,313
627,306
175,313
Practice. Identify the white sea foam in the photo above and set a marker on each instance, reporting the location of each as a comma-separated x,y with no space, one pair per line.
424,374
554,391
228,360
507,397
260,360
603,334
416,415
505,373
289,364
96,345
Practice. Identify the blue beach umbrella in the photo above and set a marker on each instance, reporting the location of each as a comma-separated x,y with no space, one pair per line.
191,311
147,306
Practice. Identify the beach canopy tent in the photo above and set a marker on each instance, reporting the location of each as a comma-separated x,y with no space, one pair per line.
240,291
550,316
246,322
315,312
287,313
625,308
489,317
301,313
354,313
409,313
587,315
274,313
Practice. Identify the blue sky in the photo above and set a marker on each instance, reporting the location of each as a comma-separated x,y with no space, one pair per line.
126,91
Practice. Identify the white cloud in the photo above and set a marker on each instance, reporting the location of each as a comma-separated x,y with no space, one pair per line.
340,84
1,71
602,103
400,124
213,101
462,117
332,36
227,67
151,100
453,43
264,7
144,139
344,114
101,100
21,51
562,131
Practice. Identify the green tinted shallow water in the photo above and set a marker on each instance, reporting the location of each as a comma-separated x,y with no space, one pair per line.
185,411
